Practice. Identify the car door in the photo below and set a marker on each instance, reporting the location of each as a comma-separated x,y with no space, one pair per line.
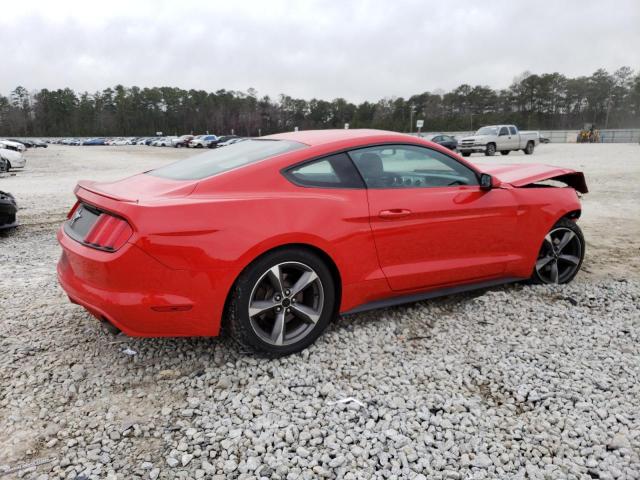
505,140
515,137
432,223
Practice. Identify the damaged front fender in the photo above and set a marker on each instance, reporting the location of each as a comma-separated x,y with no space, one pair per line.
525,175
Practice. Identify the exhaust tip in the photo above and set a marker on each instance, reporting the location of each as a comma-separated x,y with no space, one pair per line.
109,327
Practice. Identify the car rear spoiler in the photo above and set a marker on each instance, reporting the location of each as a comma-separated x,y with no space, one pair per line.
89,186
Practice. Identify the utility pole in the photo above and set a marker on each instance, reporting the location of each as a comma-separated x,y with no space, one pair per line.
412,110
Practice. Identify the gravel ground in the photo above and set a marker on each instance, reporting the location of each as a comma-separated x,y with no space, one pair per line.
512,382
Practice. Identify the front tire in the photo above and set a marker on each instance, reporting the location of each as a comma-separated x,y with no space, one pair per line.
529,148
490,150
281,303
505,152
561,254
466,154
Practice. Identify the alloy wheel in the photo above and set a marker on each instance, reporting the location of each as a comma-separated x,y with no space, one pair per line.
559,256
286,303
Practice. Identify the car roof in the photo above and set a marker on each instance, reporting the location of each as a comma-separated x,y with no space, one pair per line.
322,137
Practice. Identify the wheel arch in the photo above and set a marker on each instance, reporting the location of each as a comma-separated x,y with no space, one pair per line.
322,253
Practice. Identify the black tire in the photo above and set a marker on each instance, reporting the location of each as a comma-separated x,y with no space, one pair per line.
490,150
566,269
240,326
529,148
8,165
179,145
199,146
505,152
466,154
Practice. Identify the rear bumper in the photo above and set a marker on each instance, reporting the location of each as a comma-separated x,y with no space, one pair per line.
137,293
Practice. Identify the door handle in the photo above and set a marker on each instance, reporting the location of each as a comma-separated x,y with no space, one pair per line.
394,213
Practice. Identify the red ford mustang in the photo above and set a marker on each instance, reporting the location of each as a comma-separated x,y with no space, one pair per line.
274,236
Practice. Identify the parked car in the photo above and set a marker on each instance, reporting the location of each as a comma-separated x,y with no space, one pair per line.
163,142
8,211
219,140
12,145
498,138
14,159
231,141
202,141
446,141
215,238
24,141
95,141
39,144
182,141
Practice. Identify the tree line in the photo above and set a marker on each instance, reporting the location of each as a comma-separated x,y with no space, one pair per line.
546,101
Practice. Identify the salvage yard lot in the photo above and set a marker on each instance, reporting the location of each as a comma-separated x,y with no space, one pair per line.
516,381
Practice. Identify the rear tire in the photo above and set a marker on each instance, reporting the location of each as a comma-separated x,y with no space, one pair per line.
466,154
281,303
505,152
490,150
529,148
561,254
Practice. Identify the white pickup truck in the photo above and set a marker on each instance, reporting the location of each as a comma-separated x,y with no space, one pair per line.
499,138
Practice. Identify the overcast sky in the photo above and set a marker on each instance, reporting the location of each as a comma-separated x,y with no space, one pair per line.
353,49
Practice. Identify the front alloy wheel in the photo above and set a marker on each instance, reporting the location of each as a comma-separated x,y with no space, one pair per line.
561,254
282,302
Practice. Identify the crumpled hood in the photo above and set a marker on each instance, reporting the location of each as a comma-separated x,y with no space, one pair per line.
520,175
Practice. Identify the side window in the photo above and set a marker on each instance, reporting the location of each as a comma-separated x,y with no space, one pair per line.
437,139
335,171
504,131
513,130
408,166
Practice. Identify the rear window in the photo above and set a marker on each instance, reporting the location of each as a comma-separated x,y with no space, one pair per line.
223,159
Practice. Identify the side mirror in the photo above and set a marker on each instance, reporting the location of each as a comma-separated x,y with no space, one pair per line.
486,181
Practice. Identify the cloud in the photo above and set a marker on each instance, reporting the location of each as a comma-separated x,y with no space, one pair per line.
358,50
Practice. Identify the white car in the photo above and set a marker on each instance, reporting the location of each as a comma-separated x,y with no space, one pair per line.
8,144
162,142
231,141
14,159
202,141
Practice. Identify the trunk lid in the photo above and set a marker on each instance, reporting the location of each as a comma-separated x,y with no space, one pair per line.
520,175
139,188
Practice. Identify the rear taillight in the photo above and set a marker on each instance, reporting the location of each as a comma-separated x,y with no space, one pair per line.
73,210
108,233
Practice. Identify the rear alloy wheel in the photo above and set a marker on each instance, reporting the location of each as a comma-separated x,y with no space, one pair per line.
505,152
282,302
561,254
491,150
529,148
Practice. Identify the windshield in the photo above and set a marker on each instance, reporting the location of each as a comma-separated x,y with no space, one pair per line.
224,159
487,131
